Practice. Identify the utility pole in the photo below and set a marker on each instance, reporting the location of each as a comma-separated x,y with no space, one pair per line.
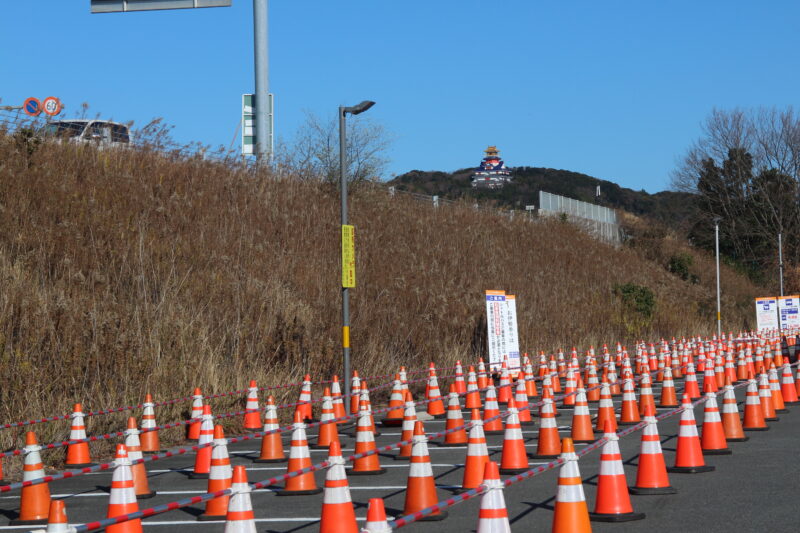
261,55
780,260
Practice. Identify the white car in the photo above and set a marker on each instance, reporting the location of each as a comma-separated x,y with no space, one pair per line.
100,132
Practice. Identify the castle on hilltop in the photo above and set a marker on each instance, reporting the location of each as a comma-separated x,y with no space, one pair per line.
492,172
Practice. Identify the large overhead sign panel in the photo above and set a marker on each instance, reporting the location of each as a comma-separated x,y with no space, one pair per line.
118,6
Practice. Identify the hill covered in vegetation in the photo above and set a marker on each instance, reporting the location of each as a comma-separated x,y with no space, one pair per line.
670,208
126,272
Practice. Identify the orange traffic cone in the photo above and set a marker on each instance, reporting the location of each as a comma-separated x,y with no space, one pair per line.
193,429
328,431
712,439
493,516
240,518
477,454
365,398
629,413
271,444
669,397
582,430
690,385
753,413
689,455
605,409
34,501
338,514
140,485
646,393
252,415
220,477
514,458
549,442
421,488
504,387
787,386
409,420
355,393
521,400
571,513
149,436
530,383
592,385
394,417
78,453
434,397
299,458
570,385
368,465
483,379
376,518
491,410
305,406
731,422
57,518
338,404
473,398
461,386
651,474
202,460
613,501
775,387
454,437
123,498
765,396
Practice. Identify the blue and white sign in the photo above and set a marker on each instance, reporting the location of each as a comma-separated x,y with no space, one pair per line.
501,325
789,311
767,313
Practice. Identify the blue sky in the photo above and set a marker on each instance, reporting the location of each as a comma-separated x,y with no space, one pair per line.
613,89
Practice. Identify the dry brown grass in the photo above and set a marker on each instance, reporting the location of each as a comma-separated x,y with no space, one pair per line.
124,273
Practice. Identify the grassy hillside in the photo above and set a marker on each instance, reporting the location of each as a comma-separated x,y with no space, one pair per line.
673,209
125,273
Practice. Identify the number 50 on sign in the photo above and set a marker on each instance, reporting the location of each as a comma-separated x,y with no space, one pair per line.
348,257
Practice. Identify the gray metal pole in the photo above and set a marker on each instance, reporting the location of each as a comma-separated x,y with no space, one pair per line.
719,312
263,148
780,260
345,293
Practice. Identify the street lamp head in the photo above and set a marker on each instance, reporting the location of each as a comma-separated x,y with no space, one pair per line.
717,220
360,108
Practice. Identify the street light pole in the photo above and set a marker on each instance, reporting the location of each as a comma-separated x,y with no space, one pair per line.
261,56
343,111
719,309
780,260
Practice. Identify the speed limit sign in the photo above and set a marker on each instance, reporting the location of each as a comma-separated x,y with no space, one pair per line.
51,105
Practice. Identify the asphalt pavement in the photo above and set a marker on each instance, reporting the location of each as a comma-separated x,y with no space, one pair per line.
753,489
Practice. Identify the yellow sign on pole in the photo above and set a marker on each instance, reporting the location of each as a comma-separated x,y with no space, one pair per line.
348,257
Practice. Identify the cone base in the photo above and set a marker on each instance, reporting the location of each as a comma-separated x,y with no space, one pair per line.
690,469
782,410
18,522
79,465
450,444
621,423
351,472
738,439
494,432
284,492
194,475
527,423
583,441
210,517
718,451
253,429
513,471
151,452
624,517
146,495
537,456
433,517
439,417
773,419
401,458
765,428
669,405
392,422
282,460
462,490
652,491
791,403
